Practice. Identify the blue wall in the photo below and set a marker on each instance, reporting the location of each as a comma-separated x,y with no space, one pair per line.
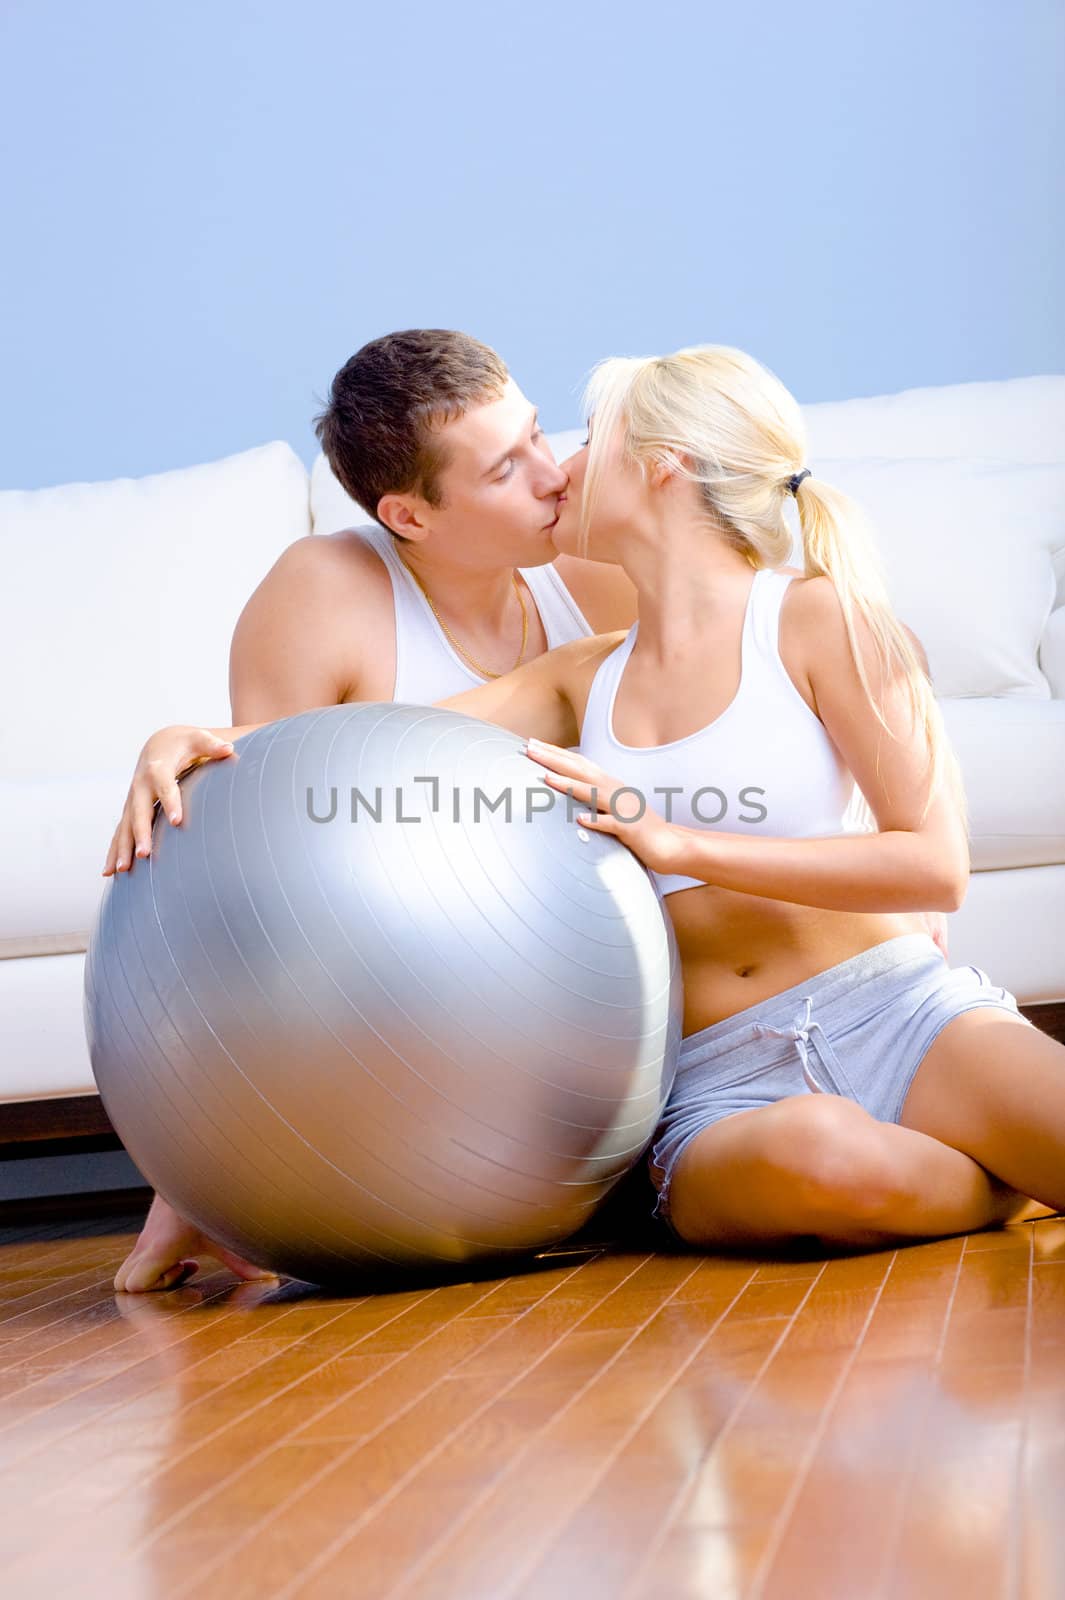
208,207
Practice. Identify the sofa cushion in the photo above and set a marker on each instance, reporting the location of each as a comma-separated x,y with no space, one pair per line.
332,508
1017,419
968,550
53,841
1014,419
120,599
1012,755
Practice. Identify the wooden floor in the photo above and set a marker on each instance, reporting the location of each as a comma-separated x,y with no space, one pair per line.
623,1421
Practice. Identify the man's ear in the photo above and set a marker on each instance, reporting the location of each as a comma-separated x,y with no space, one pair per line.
402,513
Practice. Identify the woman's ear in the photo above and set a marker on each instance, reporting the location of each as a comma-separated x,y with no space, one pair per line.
673,464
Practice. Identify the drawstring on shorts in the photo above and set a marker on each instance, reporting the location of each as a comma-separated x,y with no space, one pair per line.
812,1054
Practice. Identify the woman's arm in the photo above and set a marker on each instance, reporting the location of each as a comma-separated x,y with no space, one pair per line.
910,864
891,871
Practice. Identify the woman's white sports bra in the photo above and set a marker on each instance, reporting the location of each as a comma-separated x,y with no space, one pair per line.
765,766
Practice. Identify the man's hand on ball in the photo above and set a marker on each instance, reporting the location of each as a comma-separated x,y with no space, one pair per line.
655,841
165,757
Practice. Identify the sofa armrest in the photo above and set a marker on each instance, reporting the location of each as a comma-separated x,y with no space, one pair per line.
1052,653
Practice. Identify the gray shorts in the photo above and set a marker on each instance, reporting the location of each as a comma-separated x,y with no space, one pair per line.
859,1029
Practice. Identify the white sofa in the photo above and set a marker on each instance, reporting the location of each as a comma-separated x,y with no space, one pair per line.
119,600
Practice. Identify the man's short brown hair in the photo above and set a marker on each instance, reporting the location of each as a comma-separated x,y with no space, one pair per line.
386,405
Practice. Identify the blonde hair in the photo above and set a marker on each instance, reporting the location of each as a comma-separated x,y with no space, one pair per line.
716,416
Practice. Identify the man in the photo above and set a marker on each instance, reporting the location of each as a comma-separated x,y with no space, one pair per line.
458,581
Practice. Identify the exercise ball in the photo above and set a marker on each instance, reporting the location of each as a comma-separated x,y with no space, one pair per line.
359,1012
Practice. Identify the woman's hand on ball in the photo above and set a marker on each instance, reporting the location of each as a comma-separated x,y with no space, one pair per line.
165,757
649,836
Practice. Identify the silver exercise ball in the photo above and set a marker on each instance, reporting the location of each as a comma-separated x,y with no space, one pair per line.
349,1015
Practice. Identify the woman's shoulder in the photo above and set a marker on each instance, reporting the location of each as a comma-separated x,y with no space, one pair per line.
817,627
810,602
815,585
805,620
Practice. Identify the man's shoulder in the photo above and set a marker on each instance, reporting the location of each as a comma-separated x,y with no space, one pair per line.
333,554
321,620
331,571
605,593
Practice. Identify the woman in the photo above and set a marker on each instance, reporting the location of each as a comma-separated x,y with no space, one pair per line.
837,1078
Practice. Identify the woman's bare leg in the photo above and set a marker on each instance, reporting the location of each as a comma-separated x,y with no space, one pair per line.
993,1086
820,1165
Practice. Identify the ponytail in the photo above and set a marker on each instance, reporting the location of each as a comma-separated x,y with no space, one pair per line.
838,544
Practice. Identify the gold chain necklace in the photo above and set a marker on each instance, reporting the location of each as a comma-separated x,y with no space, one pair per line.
484,671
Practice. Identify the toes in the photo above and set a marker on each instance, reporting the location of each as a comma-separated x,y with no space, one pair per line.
184,1270
147,1276
244,1269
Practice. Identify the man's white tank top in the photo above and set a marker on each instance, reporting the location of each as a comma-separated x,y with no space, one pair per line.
766,765
427,667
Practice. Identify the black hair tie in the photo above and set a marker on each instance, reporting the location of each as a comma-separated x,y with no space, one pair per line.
796,478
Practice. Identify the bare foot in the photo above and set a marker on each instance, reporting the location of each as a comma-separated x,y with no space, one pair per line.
166,1253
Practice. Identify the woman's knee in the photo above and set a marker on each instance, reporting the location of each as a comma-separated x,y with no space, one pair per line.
842,1162
809,1164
